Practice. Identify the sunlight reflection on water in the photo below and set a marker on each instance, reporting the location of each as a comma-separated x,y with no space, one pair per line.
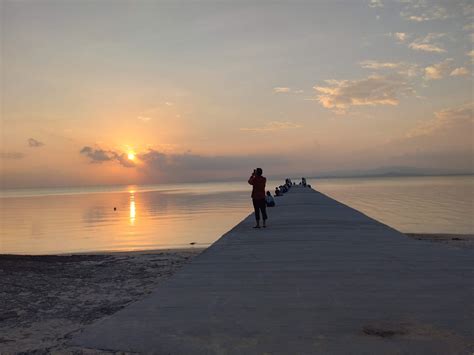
133,210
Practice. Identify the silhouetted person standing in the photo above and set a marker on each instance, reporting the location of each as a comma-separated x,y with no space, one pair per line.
258,195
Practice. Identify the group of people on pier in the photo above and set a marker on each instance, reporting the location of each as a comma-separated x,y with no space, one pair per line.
280,190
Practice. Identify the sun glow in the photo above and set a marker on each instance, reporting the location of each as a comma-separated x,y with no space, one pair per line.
131,155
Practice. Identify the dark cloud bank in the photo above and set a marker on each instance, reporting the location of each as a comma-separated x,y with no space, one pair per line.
97,155
184,166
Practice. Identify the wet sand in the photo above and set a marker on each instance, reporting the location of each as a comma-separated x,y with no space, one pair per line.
45,299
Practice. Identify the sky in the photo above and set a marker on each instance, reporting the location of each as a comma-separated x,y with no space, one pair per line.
131,92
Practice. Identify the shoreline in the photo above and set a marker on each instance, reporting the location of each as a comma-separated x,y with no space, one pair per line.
48,298
121,252
461,240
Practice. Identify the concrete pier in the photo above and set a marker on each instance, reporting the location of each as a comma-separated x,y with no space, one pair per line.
323,278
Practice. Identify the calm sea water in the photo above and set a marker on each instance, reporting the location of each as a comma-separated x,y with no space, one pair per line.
62,220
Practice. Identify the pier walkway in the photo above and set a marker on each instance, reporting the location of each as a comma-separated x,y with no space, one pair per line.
322,279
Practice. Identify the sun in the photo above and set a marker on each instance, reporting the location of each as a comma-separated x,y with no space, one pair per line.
131,155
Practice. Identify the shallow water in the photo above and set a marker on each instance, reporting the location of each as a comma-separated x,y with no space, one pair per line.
45,221
441,204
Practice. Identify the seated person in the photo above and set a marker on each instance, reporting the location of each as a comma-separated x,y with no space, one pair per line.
277,192
269,200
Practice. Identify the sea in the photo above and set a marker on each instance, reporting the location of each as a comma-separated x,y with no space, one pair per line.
170,216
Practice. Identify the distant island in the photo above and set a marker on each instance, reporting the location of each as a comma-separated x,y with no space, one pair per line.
393,172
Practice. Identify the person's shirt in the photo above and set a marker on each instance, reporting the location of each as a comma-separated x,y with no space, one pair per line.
258,183
269,199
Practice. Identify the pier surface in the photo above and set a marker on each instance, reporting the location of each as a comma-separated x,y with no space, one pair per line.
323,278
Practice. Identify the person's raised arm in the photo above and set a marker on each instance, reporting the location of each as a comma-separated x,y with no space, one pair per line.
252,178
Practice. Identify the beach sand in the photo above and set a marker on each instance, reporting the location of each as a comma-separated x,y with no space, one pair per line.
45,299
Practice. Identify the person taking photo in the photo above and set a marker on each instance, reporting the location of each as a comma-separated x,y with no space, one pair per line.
258,196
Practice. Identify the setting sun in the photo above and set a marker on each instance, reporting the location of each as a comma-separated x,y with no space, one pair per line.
131,156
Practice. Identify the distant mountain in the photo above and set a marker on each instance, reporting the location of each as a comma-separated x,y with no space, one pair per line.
393,171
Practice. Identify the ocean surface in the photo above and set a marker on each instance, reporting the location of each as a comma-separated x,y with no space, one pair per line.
70,220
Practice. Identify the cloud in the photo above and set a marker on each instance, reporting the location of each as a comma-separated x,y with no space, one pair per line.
286,90
402,68
273,126
463,113
468,9
373,64
98,156
12,155
123,160
281,90
401,36
439,70
158,165
458,118
144,118
375,3
428,43
461,71
339,95
468,27
413,18
420,11
426,47
33,143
